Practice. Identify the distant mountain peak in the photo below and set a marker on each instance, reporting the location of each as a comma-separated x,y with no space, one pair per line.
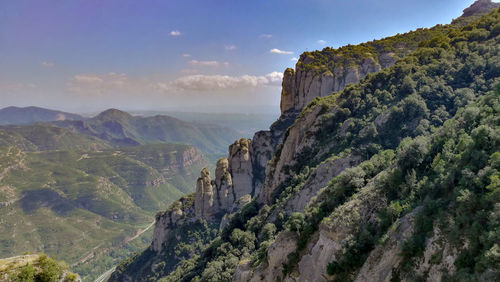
114,114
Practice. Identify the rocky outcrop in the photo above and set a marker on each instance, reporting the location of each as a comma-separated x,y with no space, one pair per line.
318,179
223,183
187,158
300,137
386,257
271,268
438,257
204,197
236,206
335,230
167,220
326,245
244,271
302,85
240,167
233,181
262,151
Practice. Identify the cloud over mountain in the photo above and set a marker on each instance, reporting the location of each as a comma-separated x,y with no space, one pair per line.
220,82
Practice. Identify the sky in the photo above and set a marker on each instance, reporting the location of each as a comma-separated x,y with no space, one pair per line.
185,55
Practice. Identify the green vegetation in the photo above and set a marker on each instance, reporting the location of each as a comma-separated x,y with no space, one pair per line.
381,51
93,200
31,268
427,133
184,242
44,137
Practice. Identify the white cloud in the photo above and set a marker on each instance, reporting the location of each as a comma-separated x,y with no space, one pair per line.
102,83
197,63
47,64
266,35
230,47
294,59
185,55
175,33
121,84
281,52
321,41
221,82
275,77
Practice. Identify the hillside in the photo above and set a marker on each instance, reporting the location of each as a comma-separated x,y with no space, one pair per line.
46,137
382,167
116,128
81,204
37,267
122,129
16,115
98,182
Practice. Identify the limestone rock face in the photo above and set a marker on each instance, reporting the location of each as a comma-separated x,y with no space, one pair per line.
381,261
287,90
204,199
167,220
384,258
318,179
437,245
271,269
237,205
223,184
300,137
219,196
240,167
243,271
333,232
263,146
302,85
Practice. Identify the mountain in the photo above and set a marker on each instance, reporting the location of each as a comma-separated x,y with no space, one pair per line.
245,124
383,166
16,115
82,200
82,189
122,129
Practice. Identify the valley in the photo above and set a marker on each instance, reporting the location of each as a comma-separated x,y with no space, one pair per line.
71,188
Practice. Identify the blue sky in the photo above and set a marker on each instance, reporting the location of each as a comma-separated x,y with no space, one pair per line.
181,54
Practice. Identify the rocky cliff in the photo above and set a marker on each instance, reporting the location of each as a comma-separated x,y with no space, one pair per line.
349,175
302,85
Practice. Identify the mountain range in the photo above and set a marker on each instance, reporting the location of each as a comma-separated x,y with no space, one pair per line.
119,128
81,189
